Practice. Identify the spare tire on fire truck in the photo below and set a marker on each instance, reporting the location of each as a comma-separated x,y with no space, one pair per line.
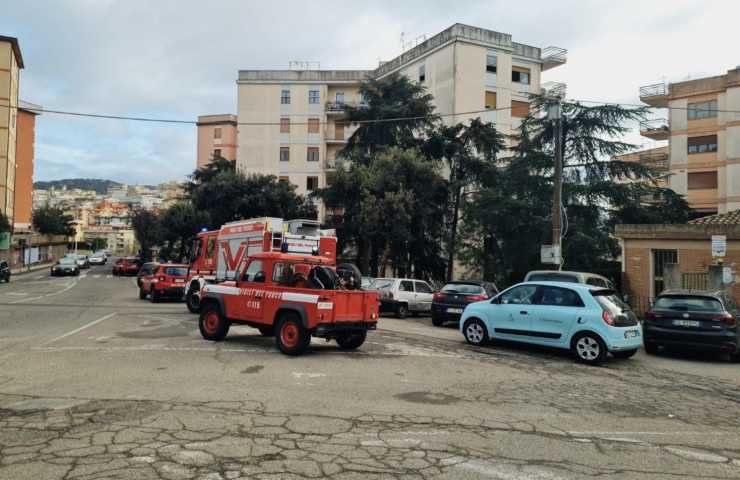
350,276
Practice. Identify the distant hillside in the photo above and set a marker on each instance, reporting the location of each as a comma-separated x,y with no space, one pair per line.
100,186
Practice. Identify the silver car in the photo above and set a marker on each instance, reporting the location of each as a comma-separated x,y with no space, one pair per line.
403,295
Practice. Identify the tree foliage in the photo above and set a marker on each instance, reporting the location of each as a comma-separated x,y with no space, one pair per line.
180,223
49,220
147,230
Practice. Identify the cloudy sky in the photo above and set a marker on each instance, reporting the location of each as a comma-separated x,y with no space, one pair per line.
179,59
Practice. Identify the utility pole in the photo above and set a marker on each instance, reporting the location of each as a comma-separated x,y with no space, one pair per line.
555,114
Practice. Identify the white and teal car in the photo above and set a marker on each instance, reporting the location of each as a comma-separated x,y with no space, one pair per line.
589,321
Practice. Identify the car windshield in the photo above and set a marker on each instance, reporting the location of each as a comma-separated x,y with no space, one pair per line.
466,288
689,304
176,271
381,284
67,261
552,277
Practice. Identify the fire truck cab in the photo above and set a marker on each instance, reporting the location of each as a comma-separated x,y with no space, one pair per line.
219,254
290,296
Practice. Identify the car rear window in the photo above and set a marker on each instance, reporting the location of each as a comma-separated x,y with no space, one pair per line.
176,271
689,304
552,277
465,288
610,301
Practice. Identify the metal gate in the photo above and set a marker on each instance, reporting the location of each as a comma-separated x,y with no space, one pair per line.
660,258
695,281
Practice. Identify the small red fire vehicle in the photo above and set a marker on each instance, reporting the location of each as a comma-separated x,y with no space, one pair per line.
127,266
293,297
168,280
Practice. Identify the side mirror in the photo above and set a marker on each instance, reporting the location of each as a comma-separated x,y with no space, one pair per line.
259,277
496,300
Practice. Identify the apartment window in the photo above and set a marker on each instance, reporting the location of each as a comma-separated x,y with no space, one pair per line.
285,97
313,125
491,100
491,63
284,178
312,154
701,110
702,180
285,125
217,153
312,183
313,96
422,73
284,154
217,132
520,75
519,109
703,144
340,98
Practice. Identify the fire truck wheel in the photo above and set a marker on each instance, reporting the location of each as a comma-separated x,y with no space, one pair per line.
142,294
351,341
267,331
213,326
193,300
290,336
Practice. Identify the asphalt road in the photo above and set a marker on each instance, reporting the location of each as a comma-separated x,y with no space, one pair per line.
95,383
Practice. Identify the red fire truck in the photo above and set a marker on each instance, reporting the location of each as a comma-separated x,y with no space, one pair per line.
220,254
293,297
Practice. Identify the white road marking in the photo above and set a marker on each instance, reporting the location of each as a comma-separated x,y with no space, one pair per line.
20,300
683,433
96,276
109,276
17,294
308,375
77,330
69,286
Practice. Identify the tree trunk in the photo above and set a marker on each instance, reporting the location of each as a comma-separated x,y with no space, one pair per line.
453,236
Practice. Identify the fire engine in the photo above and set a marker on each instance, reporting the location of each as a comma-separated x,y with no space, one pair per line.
219,254
293,297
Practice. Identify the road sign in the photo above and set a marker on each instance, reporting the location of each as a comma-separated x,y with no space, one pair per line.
550,254
719,246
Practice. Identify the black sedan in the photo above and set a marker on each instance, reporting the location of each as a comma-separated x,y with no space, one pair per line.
696,320
65,266
448,304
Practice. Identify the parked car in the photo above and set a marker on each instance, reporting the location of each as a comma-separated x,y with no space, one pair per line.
569,277
127,266
167,281
448,304
98,259
65,266
81,260
366,282
403,295
145,272
693,320
4,271
589,321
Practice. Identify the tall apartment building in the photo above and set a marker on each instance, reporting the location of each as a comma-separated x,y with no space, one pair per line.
703,133
24,156
217,136
291,120
11,62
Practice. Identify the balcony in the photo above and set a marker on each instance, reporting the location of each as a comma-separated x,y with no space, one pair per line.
553,57
334,163
337,108
655,129
657,161
655,95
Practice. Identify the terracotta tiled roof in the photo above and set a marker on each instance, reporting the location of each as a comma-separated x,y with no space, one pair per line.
729,218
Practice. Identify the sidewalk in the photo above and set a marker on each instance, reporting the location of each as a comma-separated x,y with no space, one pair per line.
32,268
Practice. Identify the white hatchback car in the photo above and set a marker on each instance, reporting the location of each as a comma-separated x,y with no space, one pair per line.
403,295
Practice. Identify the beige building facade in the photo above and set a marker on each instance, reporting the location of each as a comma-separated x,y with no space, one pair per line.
703,133
291,121
11,62
217,136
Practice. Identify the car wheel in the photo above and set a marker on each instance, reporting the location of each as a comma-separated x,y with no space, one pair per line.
588,348
142,294
475,332
290,336
212,325
267,331
624,353
155,296
437,321
352,340
402,311
193,300
651,348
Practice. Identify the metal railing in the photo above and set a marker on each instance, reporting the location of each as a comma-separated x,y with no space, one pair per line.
656,161
654,90
695,280
340,106
554,55
654,126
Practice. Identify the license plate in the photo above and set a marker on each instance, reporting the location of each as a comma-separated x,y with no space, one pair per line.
179,280
686,323
631,333
454,310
